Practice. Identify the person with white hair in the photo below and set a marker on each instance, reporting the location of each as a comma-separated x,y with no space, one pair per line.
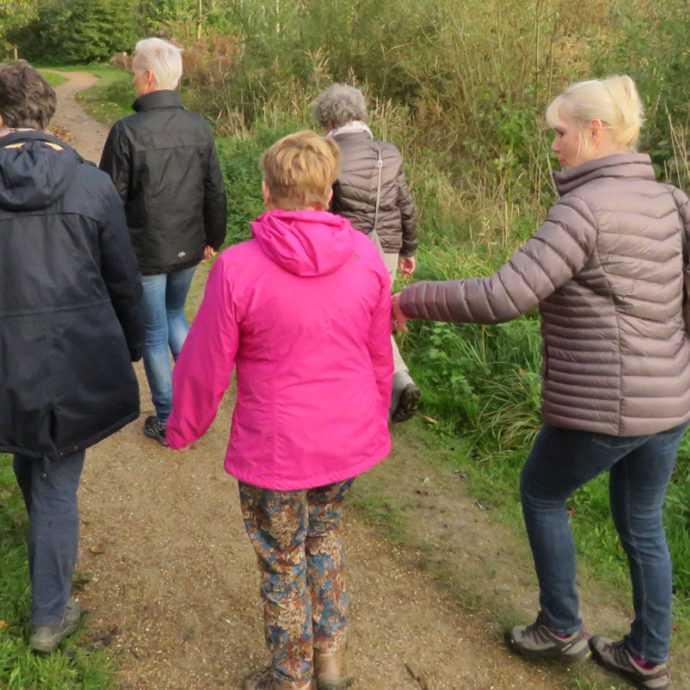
164,164
372,193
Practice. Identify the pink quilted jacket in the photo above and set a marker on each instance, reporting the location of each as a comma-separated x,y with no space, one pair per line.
303,312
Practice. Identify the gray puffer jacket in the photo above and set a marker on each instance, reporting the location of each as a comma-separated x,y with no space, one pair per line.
606,268
354,192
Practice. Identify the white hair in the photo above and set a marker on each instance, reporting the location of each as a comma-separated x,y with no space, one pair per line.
339,104
162,58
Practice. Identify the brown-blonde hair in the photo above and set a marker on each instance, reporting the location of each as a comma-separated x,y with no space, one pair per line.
300,169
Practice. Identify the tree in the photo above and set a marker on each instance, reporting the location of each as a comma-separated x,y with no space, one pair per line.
14,14
79,31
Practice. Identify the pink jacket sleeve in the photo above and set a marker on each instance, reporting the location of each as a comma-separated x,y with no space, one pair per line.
203,368
379,344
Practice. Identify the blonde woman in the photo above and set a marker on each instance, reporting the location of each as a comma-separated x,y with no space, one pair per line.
606,269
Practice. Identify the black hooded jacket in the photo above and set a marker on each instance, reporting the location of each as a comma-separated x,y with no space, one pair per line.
70,312
164,165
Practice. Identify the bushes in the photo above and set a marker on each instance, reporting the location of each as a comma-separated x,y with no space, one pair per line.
78,31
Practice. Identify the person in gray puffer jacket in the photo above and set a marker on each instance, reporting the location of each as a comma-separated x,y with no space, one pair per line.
372,193
607,271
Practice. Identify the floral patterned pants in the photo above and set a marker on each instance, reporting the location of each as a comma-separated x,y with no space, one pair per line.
296,536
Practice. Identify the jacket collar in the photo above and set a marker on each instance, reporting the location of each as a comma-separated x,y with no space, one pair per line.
19,136
621,165
164,98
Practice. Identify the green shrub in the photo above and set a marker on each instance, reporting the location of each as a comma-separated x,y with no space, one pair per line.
79,31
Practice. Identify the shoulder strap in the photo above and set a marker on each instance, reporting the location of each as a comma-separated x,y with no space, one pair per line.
379,165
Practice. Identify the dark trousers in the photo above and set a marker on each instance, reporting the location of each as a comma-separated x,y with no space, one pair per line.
50,494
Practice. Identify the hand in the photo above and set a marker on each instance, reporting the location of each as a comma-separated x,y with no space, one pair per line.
399,319
407,265
209,253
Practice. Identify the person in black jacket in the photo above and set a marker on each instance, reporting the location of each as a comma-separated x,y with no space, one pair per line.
163,162
70,326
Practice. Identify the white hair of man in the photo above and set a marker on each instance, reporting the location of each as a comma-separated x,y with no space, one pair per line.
162,58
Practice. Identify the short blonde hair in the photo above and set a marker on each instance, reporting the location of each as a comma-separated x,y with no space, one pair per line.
162,58
614,101
300,169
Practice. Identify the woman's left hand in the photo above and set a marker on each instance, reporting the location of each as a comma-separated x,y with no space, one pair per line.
399,319
407,265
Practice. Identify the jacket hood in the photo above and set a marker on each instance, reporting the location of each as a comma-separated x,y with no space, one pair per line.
627,165
35,170
306,243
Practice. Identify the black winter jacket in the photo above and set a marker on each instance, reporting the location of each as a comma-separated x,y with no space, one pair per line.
164,165
70,312
354,192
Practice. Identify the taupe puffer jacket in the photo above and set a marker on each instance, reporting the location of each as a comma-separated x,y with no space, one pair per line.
354,192
606,268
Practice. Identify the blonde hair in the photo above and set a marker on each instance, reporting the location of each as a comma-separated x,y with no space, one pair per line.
614,101
162,58
300,169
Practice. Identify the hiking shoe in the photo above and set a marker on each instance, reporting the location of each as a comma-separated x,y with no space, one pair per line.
615,657
266,679
329,670
46,637
536,641
154,427
404,398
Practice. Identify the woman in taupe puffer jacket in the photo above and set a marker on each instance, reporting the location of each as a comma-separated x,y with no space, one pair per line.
606,269
372,193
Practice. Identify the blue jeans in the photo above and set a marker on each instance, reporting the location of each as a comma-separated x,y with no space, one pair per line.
50,488
166,329
640,467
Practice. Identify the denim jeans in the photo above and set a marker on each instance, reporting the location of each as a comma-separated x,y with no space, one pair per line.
640,467
166,329
50,488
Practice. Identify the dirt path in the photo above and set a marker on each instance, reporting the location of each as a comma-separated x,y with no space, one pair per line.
173,591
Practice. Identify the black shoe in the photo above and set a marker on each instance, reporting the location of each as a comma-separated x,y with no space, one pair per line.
154,427
406,406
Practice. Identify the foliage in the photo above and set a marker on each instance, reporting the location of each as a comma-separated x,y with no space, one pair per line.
78,31
14,14
650,43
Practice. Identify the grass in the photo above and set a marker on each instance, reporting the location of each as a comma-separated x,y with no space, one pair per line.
111,98
52,78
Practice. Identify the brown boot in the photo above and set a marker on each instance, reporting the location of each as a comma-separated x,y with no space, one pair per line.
266,680
329,670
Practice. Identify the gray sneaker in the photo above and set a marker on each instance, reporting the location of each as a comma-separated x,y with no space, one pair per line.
46,637
536,641
154,427
615,657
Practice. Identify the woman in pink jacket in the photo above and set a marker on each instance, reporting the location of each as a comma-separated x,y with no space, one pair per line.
303,312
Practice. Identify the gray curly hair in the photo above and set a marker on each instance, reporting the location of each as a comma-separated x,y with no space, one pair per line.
338,105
